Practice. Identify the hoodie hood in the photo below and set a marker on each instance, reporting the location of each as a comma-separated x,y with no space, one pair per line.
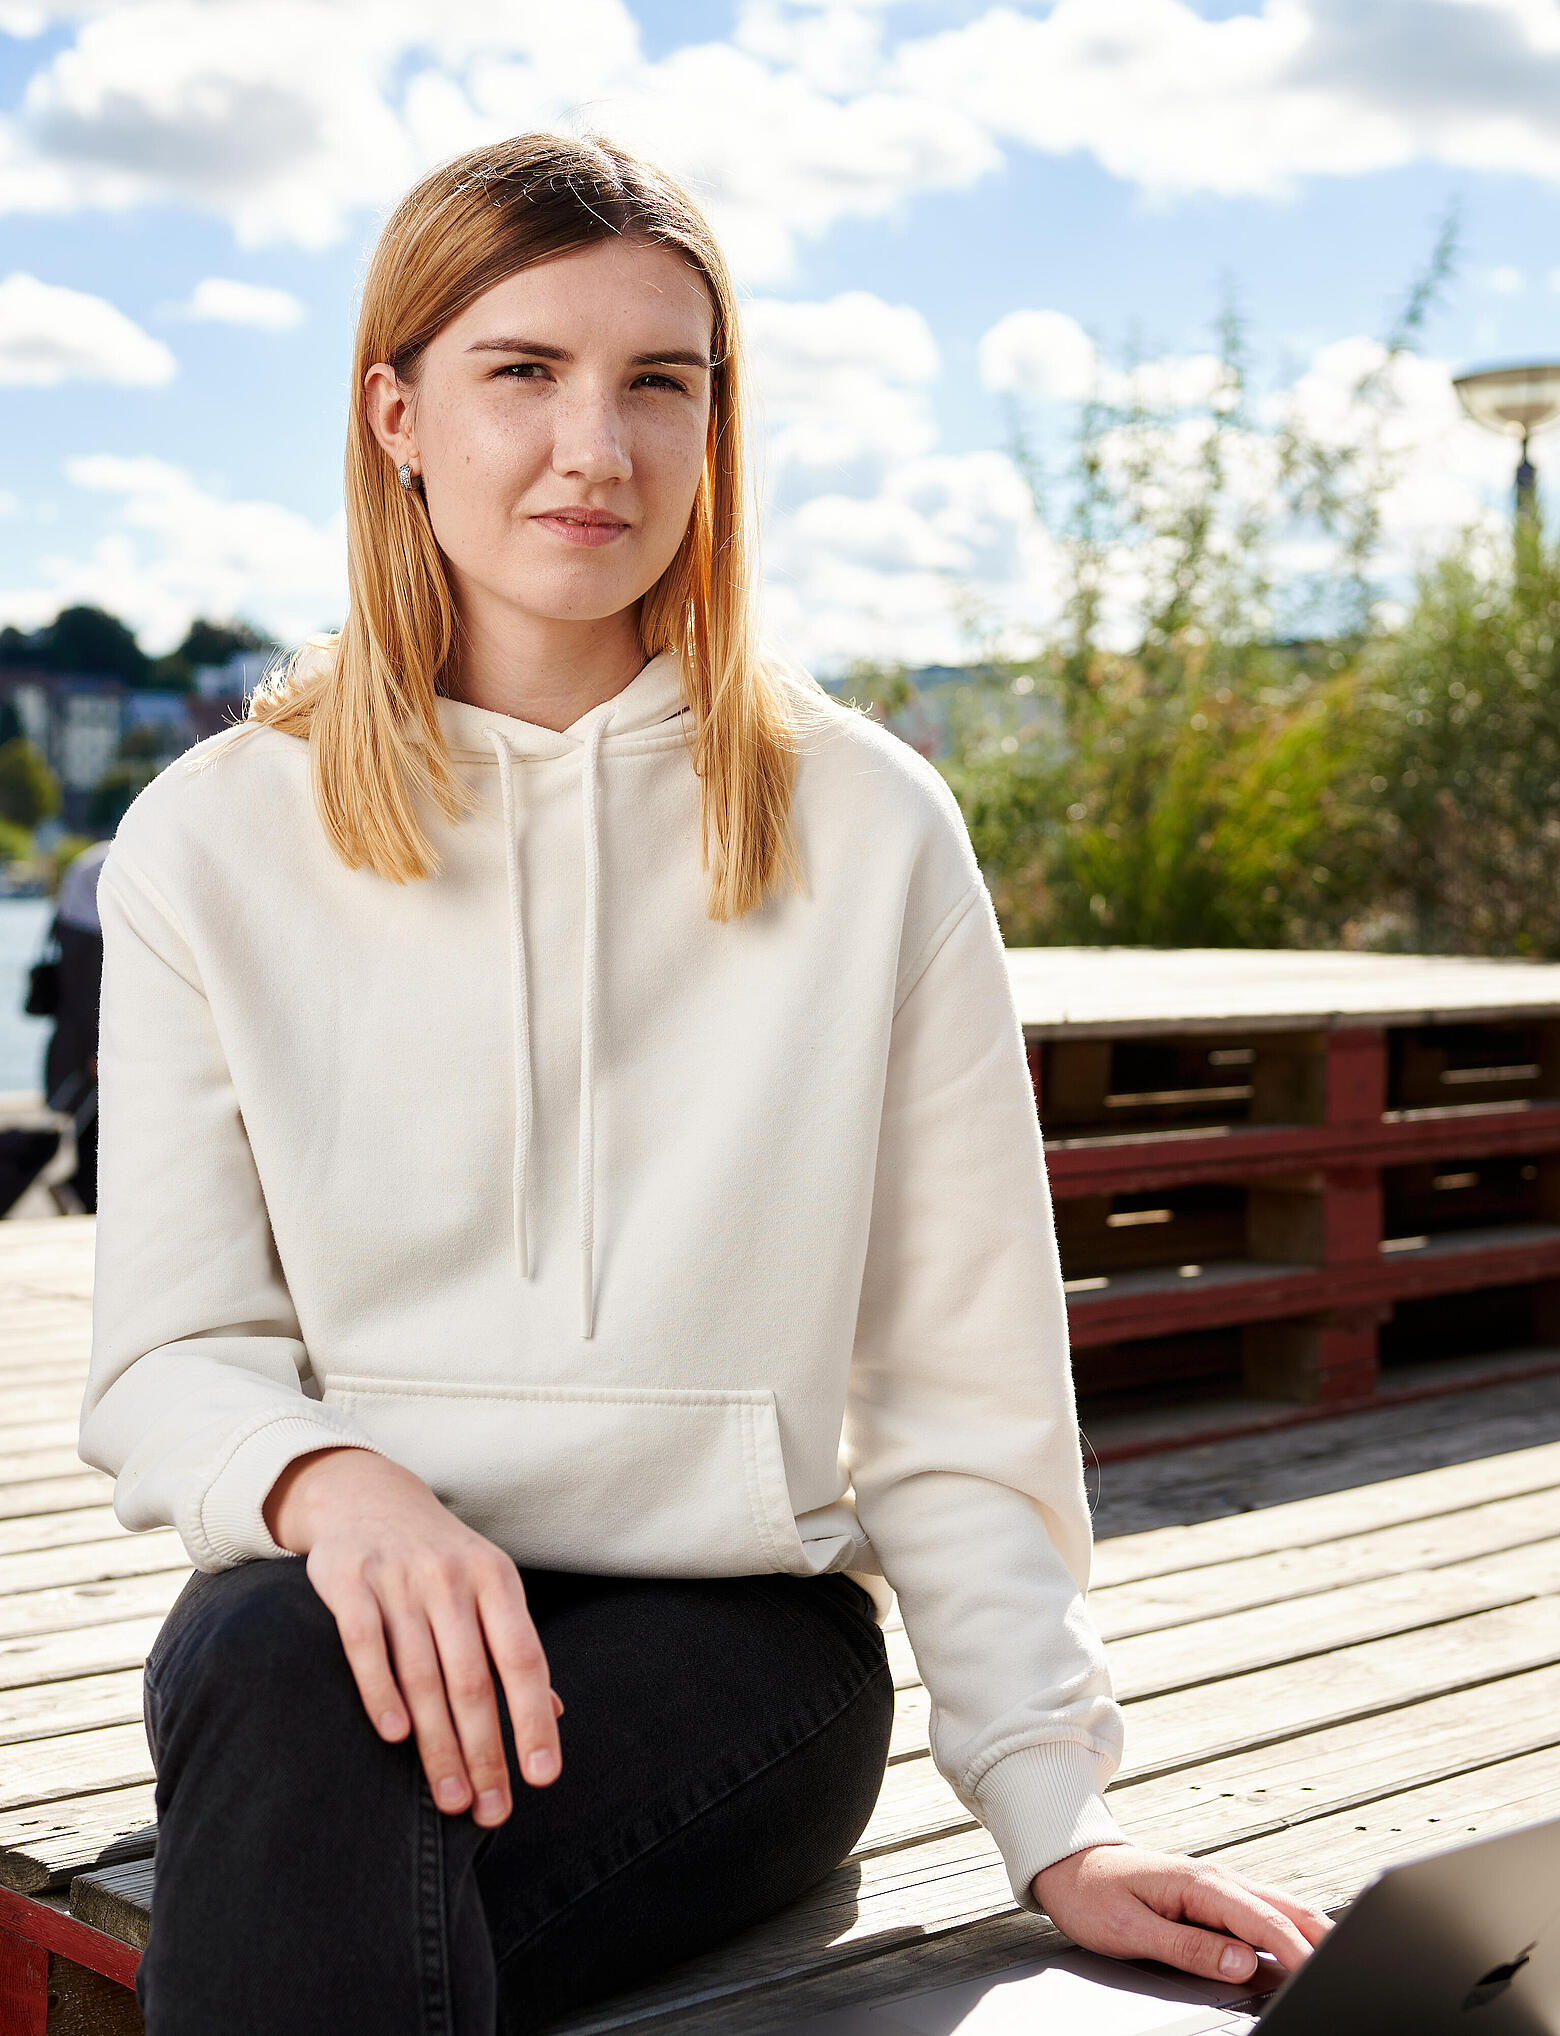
651,700
650,703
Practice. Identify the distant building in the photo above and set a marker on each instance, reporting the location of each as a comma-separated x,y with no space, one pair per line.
238,677
924,722
79,720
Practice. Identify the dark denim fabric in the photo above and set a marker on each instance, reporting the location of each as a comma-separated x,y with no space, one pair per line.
724,1740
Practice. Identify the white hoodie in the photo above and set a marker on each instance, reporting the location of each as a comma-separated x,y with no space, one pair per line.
657,1246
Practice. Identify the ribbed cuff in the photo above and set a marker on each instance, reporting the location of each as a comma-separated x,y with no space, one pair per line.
1040,1803
232,1524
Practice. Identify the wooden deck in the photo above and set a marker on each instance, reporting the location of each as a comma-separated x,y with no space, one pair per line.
1336,1647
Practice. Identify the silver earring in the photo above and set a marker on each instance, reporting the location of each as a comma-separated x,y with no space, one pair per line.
403,474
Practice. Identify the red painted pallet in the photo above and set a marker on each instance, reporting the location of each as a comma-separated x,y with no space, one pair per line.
34,1936
1294,1152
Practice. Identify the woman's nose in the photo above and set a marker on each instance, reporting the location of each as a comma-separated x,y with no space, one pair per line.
589,442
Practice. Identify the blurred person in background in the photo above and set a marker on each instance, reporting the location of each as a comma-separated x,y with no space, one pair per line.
64,985
70,1062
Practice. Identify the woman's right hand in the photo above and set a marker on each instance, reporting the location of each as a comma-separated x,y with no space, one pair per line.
421,1600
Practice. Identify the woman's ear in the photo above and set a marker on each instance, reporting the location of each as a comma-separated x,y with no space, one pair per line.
389,413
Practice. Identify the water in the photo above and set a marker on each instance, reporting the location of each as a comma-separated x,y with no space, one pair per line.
23,923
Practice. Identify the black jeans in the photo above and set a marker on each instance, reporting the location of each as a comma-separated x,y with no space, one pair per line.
724,1741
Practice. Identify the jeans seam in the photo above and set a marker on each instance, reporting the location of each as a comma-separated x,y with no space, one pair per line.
432,1916
602,1880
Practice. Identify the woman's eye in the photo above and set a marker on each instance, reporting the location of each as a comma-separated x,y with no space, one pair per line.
521,370
665,382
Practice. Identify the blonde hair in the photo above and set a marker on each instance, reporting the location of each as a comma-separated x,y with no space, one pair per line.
365,698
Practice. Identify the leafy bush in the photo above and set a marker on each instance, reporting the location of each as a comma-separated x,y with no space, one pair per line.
29,790
1467,706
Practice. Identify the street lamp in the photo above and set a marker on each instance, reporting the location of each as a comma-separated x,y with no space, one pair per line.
1519,403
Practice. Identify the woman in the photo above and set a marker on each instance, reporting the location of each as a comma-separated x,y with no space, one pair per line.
613,1271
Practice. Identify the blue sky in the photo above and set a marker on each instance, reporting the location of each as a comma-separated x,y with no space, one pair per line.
896,184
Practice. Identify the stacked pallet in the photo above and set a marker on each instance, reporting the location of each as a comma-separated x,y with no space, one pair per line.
1295,1174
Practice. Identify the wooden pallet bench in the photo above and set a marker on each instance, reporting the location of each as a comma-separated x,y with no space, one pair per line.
1283,1174
1313,1687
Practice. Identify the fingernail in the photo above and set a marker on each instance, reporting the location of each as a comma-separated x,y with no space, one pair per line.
450,1793
1233,1961
541,1766
490,1804
389,1721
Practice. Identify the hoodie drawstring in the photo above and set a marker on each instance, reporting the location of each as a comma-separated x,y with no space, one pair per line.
520,1028
520,1031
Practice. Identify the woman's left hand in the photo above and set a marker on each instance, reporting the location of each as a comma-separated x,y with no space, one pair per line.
1132,1903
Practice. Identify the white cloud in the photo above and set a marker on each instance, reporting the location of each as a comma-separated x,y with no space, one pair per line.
1505,281
842,380
176,551
1449,473
1044,353
290,119
945,550
220,300
50,335
1048,354
1175,102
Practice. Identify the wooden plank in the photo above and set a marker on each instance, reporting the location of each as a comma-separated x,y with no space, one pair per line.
85,2003
55,1432
116,1900
1144,1162
42,1710
24,1985
1259,1791
87,1562
76,1764
1218,1295
43,1845
58,1530
1330,1516
1105,992
85,1650
55,1495
1331,1858
45,1920
1208,1650
59,1401
1268,1705
1253,1473
1188,1598
27,1466
76,1605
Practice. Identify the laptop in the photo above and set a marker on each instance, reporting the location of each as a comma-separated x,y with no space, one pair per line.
1464,1942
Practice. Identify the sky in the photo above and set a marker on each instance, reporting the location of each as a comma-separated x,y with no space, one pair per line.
934,211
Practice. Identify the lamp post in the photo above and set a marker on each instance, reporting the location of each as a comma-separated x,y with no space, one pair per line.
1518,403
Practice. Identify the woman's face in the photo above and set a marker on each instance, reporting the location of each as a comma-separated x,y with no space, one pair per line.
559,425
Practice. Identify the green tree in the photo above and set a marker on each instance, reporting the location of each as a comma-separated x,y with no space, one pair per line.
206,643
1203,772
90,640
29,790
1467,695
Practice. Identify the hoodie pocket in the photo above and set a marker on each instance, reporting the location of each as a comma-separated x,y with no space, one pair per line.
659,1481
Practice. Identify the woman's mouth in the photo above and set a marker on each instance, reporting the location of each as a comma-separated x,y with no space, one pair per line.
582,526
